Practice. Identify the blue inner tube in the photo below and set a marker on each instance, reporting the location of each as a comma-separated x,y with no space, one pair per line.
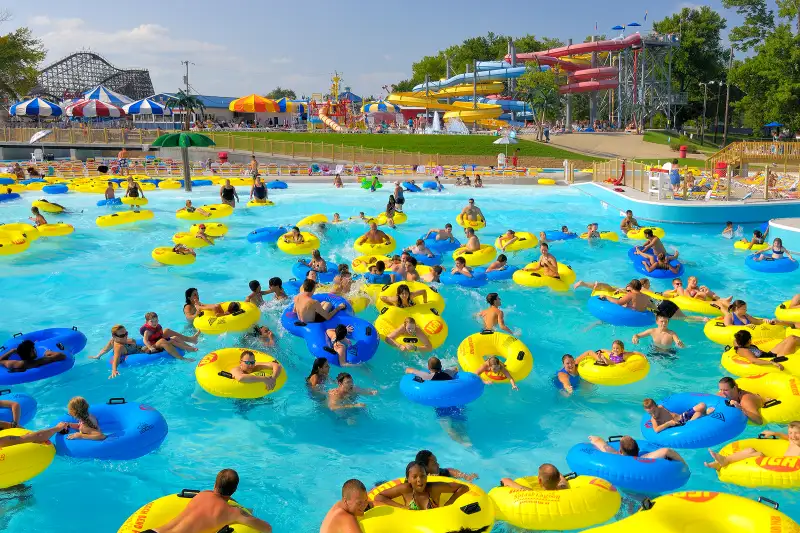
440,247
299,271
66,340
198,183
558,235
364,338
113,201
277,184
497,275
724,424
411,187
7,197
464,388
431,185
659,274
616,315
382,279
132,430
31,180
58,188
423,259
645,476
6,181
266,234
27,406
292,286
477,279
140,359
768,265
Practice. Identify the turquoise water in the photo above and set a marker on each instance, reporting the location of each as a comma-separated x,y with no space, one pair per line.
292,454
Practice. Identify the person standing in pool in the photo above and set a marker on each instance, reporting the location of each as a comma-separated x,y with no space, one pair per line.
244,372
122,160
343,516
427,458
374,236
748,402
320,372
311,311
133,189
547,264
228,195
473,243
445,234
568,378
663,338
211,510
473,212
26,351
110,194
493,316
345,393
258,191
398,197
252,167
418,494
628,223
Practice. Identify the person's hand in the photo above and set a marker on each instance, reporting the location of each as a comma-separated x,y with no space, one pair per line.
269,383
409,370
680,344
73,436
472,477
505,482
514,387
342,307
767,433
62,426
778,365
360,404
635,339
114,373
771,322
94,357
736,404
350,329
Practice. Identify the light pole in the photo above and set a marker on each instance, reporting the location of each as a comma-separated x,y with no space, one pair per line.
727,102
716,114
703,120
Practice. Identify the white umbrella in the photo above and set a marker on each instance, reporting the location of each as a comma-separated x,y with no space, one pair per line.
505,139
39,135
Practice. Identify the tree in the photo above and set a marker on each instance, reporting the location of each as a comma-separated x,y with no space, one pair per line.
700,58
279,92
541,91
188,103
790,9
20,55
758,21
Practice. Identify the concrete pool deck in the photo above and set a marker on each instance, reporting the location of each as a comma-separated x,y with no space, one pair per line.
787,230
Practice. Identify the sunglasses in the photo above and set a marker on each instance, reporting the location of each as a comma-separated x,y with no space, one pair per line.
121,335
249,363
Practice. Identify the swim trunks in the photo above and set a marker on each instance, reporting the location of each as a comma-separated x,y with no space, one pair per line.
685,417
667,308
319,318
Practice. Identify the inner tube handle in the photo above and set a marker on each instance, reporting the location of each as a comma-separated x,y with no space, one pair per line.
487,332
761,436
614,438
116,401
647,504
225,374
571,475
5,391
188,493
762,499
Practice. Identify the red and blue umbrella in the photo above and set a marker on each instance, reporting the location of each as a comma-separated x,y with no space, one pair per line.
36,107
146,106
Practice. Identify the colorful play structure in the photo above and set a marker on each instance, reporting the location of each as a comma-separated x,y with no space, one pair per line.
335,111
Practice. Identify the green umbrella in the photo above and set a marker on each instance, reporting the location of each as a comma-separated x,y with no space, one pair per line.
184,140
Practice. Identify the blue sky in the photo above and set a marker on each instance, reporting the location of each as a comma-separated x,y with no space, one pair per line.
240,47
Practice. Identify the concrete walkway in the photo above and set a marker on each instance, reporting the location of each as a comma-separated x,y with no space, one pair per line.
613,145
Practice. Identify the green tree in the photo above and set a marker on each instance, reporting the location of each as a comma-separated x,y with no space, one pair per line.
700,58
758,21
790,9
20,55
188,104
540,89
279,92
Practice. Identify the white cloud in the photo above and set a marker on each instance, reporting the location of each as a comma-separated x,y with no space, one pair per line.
280,61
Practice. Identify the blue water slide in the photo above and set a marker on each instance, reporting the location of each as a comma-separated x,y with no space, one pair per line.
482,76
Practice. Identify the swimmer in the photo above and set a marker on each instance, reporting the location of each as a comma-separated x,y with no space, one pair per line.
418,493
343,516
320,371
245,371
792,435
378,274
28,359
337,181
182,249
123,346
427,458
317,263
445,234
633,297
343,281
758,238
37,218
592,232
256,296
628,223
435,371
405,298
439,185
568,377
736,315
263,335
507,239
42,436
193,306
776,252
398,195
662,418
663,338
728,231
309,310
374,236
258,191
543,237
501,263
652,242
202,235
473,244
228,194
411,270
155,337
461,267
661,262
492,316
110,193
743,342
432,276
398,266
294,237
345,393
549,479
189,208
391,209
337,338
211,511
473,212
276,288
600,286
419,248
495,366
409,338
87,427
749,403
547,264
616,355
336,218
478,181
628,447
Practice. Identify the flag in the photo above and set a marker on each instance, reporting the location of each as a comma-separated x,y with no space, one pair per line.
645,16
595,27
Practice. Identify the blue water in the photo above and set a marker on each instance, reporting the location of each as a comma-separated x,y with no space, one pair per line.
291,453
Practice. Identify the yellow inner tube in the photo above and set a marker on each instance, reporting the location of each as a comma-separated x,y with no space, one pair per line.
744,243
782,312
740,366
13,243
546,181
524,241
604,235
36,186
478,347
310,220
703,512
169,184
214,211
381,248
166,256
639,233
472,511
633,369
129,200
781,387
208,322
432,299
47,207
774,470
28,232
362,263
474,224
535,278
23,462
213,374
188,239
399,218
57,229
213,229
124,217
484,256
588,501
158,513
718,332
259,203
311,242
427,319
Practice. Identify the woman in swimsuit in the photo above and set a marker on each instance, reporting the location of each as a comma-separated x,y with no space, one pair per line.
495,366
391,209
320,371
258,191
294,237
87,426
317,263
227,193
192,307
134,189
417,493
748,402
568,378
777,252
736,315
405,298
337,337
756,356
122,345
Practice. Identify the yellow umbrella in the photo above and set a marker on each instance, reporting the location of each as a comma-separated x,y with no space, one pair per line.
254,104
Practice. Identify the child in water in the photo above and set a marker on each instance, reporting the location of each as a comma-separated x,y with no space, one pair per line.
495,366
663,338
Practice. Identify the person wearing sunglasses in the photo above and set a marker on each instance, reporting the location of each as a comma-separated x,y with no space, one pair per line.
248,371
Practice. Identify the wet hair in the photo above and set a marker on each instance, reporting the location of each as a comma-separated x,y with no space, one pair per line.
234,307
448,226
777,241
227,482
420,242
309,285
549,476
544,245
254,285
413,464
648,232
469,231
150,315
736,305
26,350
403,289
619,343
246,353
628,446
794,425
635,284
352,485
319,362
315,254
188,294
628,212
79,408
380,265
648,403
340,331
435,364
35,210
438,269
295,228
275,282
460,260
342,376
411,260
742,338
502,258
492,297
729,381
564,228
565,357
729,223
757,234
423,457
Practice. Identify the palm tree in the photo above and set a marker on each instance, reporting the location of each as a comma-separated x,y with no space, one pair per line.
188,103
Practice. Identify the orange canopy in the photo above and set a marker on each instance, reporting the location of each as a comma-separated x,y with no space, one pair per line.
254,104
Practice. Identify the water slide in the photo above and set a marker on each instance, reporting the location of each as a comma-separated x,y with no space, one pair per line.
328,121
457,109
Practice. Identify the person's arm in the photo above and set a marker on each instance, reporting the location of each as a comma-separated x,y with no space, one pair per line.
507,482
387,496
751,411
146,339
104,351
334,405
391,337
235,194
16,411
458,489
91,434
658,428
677,340
461,475
240,516
622,301
365,392
564,380
645,333
510,379
141,191
601,444
419,373
788,254
664,453
221,192
8,354
424,295
778,434
501,323
252,188
423,342
49,356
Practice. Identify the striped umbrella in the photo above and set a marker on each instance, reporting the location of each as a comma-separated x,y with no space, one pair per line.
108,96
381,106
36,107
94,108
290,106
254,104
146,106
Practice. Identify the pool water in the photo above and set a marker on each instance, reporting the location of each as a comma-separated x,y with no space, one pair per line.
291,452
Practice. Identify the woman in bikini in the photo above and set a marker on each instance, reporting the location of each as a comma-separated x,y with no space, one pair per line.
320,371
193,306
417,494
756,356
736,315
405,298
317,263
776,252
337,337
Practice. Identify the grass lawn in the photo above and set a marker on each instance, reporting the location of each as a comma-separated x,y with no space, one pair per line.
428,144
659,137
694,163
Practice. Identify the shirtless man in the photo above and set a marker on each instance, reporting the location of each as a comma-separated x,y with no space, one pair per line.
342,517
432,276
748,402
652,242
374,236
492,316
547,264
249,371
629,447
256,296
472,212
663,338
445,234
419,248
473,244
411,270
507,239
210,510
27,357
628,223
310,310
501,263
345,392
633,298
343,281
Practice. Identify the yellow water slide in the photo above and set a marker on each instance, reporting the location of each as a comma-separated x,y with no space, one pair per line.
463,110
328,121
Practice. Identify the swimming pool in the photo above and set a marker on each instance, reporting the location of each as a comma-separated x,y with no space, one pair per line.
291,453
